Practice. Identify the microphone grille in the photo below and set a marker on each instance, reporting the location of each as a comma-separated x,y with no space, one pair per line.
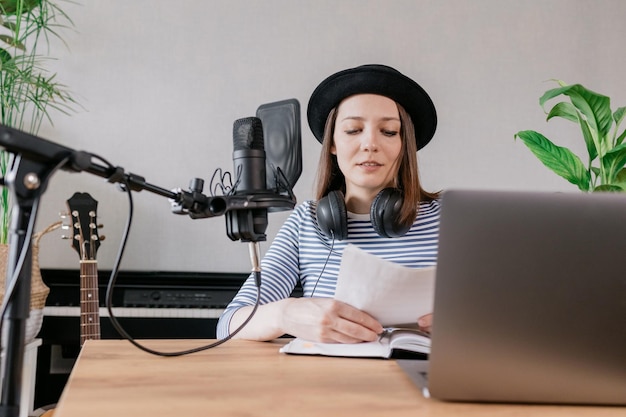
248,134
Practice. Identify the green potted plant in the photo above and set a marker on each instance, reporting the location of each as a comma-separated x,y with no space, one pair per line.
28,92
603,169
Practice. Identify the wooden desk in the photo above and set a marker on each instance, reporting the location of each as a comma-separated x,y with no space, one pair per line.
112,378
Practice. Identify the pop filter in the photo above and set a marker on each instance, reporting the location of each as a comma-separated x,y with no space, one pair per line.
283,146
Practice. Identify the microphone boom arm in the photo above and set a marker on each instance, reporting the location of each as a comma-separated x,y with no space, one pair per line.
192,202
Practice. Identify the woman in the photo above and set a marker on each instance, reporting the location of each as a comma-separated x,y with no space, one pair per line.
371,120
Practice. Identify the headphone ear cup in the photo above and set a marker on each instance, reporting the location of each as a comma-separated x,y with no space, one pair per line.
332,216
384,213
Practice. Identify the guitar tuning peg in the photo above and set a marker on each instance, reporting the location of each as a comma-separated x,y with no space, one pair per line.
100,226
65,237
102,237
64,214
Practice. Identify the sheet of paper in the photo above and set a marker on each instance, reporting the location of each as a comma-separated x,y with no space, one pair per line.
389,292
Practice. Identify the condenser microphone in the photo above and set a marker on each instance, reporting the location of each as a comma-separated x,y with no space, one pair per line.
248,224
249,156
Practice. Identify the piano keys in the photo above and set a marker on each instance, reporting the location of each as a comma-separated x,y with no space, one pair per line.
139,312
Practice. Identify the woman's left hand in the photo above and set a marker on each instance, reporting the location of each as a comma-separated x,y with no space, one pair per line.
425,322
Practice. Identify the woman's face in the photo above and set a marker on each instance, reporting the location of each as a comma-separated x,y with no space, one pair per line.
367,144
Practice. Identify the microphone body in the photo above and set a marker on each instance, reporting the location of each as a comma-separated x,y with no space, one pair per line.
248,224
249,156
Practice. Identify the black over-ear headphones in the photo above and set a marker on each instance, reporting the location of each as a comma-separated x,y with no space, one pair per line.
332,215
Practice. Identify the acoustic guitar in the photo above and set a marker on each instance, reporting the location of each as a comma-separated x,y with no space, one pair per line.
85,240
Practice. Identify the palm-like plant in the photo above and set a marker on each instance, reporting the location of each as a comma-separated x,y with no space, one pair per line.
27,91
604,169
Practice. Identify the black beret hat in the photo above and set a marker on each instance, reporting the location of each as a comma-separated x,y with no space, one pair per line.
373,79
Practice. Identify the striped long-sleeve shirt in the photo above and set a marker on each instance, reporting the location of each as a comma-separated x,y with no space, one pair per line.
301,253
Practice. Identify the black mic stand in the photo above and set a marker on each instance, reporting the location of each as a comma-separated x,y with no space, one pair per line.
27,180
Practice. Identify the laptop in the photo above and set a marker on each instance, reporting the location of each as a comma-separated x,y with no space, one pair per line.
530,299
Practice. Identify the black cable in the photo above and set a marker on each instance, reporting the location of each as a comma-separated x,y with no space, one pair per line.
10,291
237,174
113,278
332,245
214,186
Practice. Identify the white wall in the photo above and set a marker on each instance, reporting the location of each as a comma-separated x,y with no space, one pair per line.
161,83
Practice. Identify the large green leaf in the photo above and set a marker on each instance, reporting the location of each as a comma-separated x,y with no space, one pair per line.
594,146
620,138
560,160
613,161
569,112
618,116
550,94
564,110
610,187
595,107
621,176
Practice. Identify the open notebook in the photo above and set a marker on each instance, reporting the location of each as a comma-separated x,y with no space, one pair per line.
394,294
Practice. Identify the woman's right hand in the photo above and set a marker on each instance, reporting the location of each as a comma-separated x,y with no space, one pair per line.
328,320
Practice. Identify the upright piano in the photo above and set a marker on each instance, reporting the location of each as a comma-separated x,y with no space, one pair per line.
148,305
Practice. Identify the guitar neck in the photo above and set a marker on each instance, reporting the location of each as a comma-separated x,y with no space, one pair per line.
89,301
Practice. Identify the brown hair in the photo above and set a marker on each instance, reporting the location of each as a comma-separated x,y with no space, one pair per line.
330,177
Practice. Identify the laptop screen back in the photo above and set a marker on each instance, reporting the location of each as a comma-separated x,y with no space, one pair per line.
530,298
